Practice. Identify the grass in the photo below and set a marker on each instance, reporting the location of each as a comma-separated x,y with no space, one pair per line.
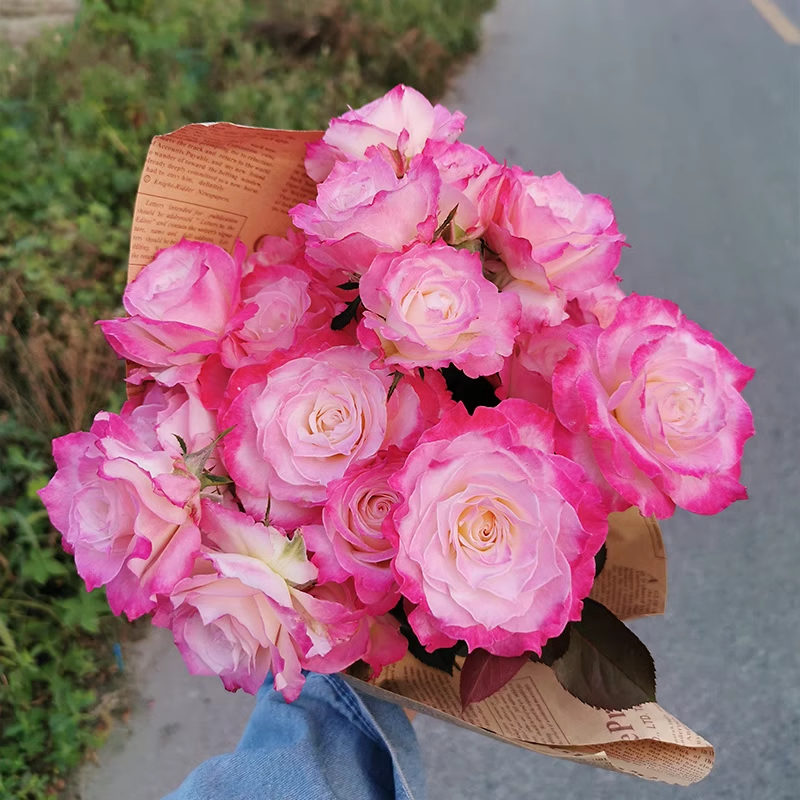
77,111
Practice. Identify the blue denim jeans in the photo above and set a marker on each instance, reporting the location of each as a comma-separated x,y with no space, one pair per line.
330,744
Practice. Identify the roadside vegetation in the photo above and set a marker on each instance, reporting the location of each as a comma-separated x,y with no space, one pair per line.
78,108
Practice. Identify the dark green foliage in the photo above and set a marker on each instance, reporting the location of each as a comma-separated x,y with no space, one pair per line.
443,659
605,664
343,319
600,560
78,109
554,648
472,392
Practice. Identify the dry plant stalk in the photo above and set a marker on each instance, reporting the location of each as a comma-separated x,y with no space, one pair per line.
59,372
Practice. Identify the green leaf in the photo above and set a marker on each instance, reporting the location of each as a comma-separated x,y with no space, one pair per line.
447,220
348,285
34,485
396,376
268,509
209,479
41,565
341,321
443,659
483,674
83,611
554,648
473,245
6,639
182,444
196,462
606,665
600,560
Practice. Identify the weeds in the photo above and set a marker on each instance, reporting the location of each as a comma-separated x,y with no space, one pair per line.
77,112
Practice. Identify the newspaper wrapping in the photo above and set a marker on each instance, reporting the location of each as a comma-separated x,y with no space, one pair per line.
221,182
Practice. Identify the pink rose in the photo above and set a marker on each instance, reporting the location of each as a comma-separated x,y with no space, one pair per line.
528,372
471,183
660,400
540,303
398,125
417,403
552,240
350,543
375,640
241,612
281,304
363,209
598,305
271,251
431,306
160,415
126,512
496,535
306,423
180,305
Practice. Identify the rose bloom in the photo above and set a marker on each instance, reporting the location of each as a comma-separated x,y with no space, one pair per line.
350,543
125,511
397,125
308,421
280,305
431,306
471,183
598,305
363,208
160,415
243,612
376,640
660,401
554,242
271,251
179,306
528,372
496,535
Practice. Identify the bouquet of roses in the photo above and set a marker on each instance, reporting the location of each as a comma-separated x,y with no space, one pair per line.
404,426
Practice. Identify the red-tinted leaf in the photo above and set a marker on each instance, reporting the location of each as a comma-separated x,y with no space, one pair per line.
484,674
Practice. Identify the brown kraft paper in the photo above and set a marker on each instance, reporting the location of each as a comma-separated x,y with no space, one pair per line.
218,182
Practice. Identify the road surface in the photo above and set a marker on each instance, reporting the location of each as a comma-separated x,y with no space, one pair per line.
687,114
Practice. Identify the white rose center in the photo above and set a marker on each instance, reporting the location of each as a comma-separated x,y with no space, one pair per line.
677,404
424,305
373,507
327,419
277,315
481,529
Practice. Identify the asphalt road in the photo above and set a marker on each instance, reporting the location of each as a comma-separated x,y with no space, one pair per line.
687,114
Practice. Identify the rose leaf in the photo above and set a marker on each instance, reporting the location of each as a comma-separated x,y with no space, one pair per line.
483,674
600,560
447,220
553,648
443,659
209,479
605,664
341,321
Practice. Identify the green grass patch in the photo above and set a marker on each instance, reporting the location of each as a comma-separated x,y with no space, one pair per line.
77,111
